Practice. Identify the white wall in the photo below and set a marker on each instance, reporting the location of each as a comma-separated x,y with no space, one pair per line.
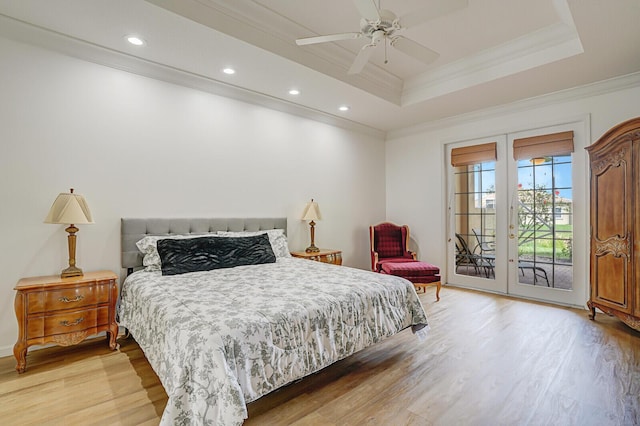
416,169
137,147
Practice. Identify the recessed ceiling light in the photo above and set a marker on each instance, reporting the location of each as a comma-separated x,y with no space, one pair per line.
229,71
344,108
135,40
294,92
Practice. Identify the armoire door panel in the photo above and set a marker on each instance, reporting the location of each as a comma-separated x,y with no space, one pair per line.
611,193
611,273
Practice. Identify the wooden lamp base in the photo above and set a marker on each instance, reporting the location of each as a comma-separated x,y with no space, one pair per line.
312,248
72,270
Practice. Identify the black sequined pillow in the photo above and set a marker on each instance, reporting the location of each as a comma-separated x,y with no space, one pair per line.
179,256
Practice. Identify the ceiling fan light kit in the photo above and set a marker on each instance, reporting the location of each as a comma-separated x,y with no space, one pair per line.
381,25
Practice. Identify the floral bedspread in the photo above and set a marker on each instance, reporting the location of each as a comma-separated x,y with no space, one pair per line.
221,339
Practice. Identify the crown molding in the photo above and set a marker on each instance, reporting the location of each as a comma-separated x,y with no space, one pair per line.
616,84
546,45
24,32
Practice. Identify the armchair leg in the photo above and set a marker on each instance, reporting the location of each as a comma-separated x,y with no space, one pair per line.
423,286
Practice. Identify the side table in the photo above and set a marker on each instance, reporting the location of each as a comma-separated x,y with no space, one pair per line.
64,311
324,255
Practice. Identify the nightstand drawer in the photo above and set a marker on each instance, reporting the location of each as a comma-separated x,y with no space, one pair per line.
67,322
67,298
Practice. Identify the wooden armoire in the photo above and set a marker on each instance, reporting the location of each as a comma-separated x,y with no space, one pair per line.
615,223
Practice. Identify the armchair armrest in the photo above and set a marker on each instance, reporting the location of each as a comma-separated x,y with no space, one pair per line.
374,261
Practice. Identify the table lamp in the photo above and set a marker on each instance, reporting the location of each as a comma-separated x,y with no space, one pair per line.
70,209
312,212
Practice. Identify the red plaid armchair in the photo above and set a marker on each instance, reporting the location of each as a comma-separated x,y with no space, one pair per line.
389,243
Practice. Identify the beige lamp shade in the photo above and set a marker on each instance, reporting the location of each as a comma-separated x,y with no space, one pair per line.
69,208
311,211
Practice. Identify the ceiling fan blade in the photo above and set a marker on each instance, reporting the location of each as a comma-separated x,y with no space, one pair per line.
415,50
368,9
362,59
327,38
435,9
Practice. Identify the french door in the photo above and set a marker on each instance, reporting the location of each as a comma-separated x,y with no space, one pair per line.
477,224
517,220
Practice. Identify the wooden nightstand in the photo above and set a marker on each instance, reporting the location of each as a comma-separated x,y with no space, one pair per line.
324,255
64,311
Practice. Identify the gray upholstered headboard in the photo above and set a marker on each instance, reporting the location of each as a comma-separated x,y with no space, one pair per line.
132,230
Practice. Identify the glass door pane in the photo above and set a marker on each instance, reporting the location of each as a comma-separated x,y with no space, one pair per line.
475,219
545,222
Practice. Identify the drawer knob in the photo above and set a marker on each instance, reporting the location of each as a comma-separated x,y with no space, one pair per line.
75,299
71,324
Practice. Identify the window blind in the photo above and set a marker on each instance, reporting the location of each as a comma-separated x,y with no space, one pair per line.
544,145
473,154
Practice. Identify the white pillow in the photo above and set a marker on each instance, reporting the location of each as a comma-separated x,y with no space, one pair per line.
148,246
277,239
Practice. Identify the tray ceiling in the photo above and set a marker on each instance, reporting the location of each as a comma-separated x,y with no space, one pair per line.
491,51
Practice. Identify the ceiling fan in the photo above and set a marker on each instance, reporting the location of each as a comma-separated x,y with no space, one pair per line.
381,25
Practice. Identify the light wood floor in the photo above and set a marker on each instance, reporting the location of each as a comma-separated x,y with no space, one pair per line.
488,360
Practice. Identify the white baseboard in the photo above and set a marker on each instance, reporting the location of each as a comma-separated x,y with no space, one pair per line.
6,351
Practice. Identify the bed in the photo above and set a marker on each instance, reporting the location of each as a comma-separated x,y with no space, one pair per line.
219,339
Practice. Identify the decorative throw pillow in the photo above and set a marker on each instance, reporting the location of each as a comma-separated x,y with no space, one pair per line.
148,248
179,256
276,237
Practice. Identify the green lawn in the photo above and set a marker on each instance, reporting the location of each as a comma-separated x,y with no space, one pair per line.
540,244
